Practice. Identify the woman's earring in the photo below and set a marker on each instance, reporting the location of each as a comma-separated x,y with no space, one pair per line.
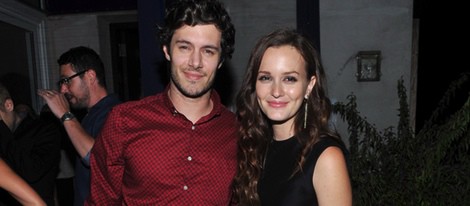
305,114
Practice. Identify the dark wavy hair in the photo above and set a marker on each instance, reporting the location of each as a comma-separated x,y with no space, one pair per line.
256,130
82,58
198,12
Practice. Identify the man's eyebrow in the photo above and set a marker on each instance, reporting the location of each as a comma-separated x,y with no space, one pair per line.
212,47
182,42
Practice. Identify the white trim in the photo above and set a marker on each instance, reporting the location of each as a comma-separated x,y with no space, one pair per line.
20,15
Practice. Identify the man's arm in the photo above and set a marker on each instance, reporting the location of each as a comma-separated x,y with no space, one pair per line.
81,140
107,165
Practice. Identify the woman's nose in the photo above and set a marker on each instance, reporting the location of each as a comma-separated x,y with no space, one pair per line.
276,89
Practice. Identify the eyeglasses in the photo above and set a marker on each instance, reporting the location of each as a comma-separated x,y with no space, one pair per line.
66,80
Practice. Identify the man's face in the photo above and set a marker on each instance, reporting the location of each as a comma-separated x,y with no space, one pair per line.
76,91
194,54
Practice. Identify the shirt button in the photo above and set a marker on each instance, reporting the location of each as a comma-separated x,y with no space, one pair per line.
190,158
185,187
193,127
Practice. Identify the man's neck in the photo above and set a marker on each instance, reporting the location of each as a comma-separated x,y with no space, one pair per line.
12,121
191,108
96,95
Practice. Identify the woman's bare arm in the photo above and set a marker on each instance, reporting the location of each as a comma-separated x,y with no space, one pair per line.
331,179
17,187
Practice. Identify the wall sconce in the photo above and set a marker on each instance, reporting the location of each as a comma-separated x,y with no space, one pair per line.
368,66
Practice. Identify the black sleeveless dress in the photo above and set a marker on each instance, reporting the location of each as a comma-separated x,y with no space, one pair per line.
276,187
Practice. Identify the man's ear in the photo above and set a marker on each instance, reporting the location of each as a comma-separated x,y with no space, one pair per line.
167,54
90,75
9,105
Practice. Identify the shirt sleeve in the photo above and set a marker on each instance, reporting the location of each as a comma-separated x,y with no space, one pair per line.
107,165
95,125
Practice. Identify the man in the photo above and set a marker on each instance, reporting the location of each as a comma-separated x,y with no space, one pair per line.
83,86
177,147
31,147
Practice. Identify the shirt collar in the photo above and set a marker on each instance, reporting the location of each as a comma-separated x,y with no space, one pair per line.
215,98
104,102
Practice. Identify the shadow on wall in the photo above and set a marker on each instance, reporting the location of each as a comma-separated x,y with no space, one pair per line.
19,87
224,83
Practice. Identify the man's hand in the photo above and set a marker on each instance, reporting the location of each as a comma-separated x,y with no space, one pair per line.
56,101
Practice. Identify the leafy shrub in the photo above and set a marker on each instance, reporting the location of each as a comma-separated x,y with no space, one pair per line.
399,167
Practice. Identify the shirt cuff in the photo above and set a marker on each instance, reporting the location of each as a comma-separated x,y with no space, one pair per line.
86,159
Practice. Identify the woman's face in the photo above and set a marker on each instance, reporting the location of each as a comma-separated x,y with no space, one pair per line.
282,84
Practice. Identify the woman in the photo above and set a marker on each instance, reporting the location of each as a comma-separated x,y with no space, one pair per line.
287,153
17,187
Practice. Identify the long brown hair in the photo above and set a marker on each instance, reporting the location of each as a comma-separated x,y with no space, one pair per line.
256,130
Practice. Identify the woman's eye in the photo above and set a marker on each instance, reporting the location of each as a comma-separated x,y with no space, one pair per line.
264,78
291,79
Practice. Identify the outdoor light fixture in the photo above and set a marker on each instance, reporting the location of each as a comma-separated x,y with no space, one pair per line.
368,66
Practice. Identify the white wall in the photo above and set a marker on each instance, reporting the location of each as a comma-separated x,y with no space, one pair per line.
253,19
87,29
347,27
67,31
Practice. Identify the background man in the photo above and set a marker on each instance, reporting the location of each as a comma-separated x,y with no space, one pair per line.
83,86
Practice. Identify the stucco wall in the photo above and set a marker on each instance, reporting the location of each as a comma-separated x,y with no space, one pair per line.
349,27
87,29
253,19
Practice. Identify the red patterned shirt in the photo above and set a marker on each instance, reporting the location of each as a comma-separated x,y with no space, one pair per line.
149,154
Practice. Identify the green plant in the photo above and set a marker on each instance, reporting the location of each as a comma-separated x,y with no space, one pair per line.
399,167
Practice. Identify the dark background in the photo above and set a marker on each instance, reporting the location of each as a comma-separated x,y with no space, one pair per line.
443,53
54,7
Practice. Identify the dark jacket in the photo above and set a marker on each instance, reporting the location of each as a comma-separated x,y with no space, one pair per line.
33,152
